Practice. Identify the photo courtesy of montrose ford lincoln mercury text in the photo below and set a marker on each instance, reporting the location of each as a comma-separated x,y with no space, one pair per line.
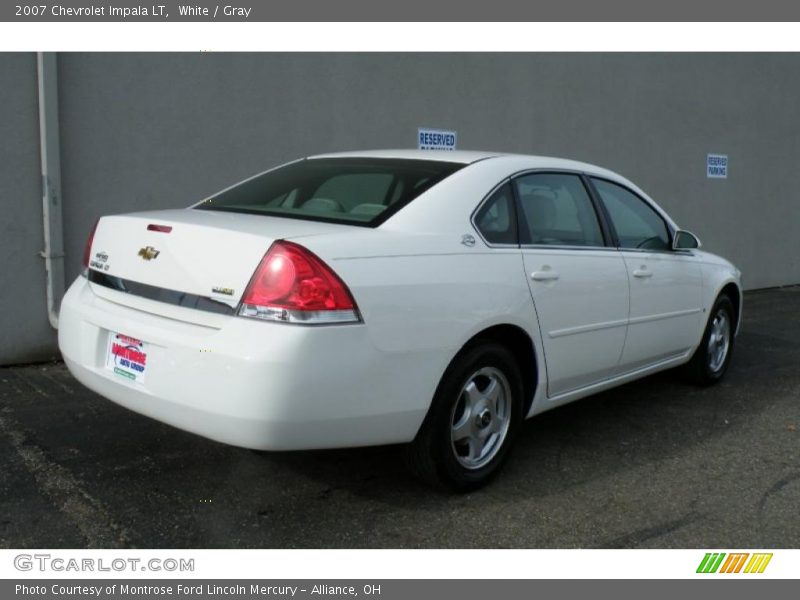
429,298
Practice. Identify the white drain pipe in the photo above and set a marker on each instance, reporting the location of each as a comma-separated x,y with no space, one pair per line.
53,253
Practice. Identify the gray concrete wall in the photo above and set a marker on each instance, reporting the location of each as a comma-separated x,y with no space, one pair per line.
153,130
25,332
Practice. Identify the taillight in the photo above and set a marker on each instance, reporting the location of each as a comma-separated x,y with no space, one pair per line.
87,251
292,285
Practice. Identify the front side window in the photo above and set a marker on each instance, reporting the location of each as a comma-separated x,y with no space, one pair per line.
555,209
496,219
358,191
637,224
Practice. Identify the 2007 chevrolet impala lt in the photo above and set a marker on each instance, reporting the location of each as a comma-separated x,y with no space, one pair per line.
395,296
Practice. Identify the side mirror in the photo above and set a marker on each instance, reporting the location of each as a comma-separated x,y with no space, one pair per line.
684,240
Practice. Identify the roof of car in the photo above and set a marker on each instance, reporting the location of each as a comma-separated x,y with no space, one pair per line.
457,156
466,157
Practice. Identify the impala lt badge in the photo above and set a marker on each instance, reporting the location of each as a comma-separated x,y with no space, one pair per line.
149,253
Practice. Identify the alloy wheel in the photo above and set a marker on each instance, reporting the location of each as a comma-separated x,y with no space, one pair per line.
481,418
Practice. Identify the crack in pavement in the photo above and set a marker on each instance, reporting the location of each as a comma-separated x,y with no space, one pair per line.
64,387
634,538
65,492
27,380
776,487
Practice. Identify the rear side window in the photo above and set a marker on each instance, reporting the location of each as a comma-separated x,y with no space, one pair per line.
555,209
358,191
637,224
496,220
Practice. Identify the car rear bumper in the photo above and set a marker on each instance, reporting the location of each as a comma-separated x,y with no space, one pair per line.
243,382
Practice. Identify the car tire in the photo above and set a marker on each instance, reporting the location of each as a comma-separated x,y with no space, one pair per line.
712,357
472,422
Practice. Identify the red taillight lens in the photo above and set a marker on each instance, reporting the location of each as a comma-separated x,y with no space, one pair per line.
159,228
87,251
293,285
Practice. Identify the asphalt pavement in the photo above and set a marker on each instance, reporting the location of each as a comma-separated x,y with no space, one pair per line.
654,464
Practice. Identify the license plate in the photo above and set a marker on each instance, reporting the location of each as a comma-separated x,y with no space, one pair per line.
127,357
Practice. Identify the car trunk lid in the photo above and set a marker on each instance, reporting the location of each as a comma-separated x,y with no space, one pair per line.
195,258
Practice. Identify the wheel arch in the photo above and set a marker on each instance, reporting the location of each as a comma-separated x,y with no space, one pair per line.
521,345
734,292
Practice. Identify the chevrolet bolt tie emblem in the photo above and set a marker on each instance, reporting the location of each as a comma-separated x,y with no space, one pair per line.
149,253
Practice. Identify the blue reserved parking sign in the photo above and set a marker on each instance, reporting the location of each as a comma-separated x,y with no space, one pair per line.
436,139
717,166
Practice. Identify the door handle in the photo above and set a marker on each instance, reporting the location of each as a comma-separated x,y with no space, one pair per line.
642,273
546,275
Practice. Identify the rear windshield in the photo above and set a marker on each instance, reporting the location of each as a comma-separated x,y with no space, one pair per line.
357,191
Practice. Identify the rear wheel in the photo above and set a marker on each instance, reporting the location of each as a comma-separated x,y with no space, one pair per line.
712,357
472,421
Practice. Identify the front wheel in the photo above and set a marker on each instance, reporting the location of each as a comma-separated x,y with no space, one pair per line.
712,357
472,421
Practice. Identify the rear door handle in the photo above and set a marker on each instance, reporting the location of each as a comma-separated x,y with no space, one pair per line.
642,273
545,275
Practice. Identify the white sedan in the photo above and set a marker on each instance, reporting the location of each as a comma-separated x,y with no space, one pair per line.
436,298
